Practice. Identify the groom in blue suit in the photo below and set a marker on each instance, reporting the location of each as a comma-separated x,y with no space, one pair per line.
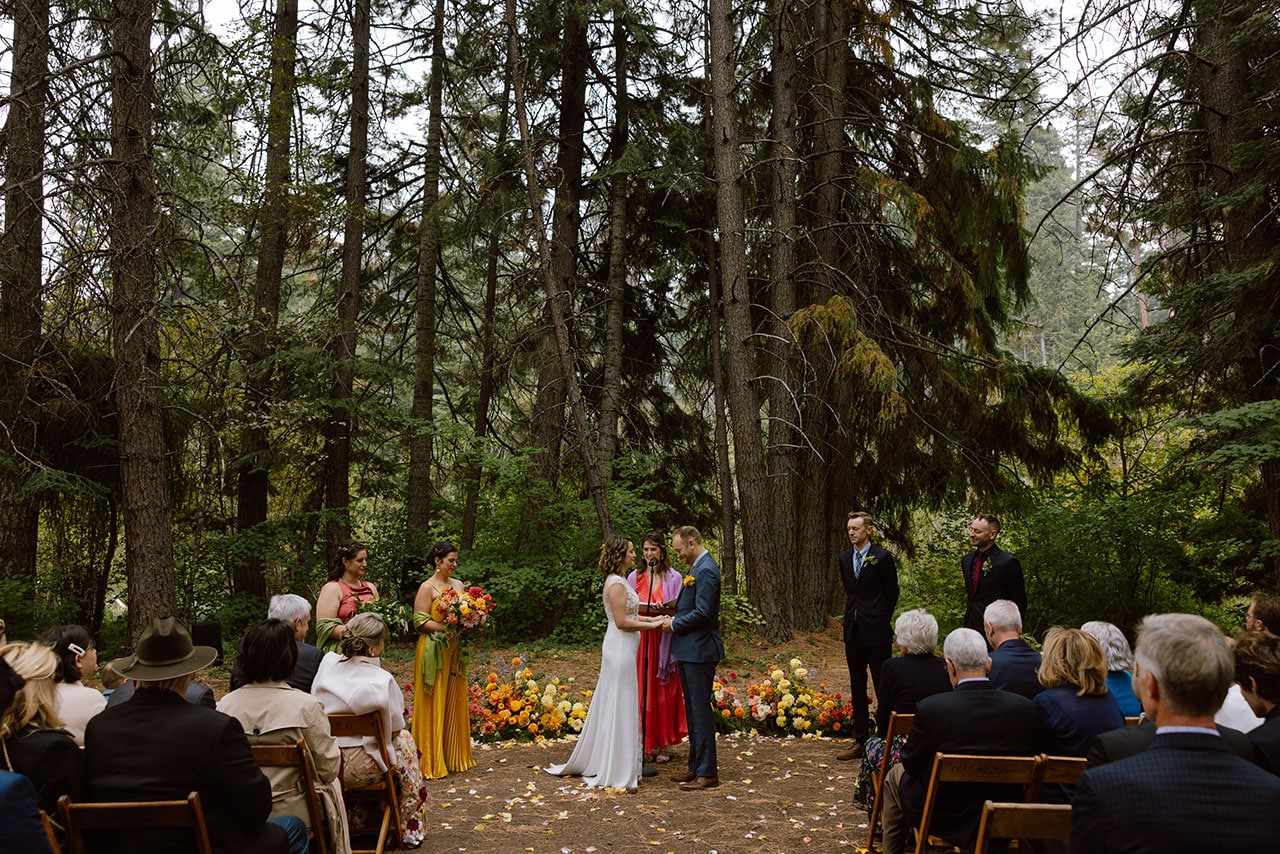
697,647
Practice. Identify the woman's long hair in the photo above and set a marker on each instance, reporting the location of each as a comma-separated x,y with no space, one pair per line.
664,559
347,550
612,553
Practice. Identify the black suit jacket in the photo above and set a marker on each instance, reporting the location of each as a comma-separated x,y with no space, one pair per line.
904,682
974,718
197,694
53,761
1001,579
158,746
1187,793
870,598
304,672
1131,740
1266,740
1015,667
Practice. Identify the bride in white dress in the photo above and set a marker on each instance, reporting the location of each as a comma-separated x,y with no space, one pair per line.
608,750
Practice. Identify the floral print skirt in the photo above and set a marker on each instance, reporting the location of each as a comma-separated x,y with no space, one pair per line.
359,769
864,791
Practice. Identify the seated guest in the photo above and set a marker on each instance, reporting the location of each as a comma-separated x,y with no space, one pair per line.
355,683
1235,712
974,718
1263,614
111,680
157,746
1075,705
295,611
78,657
21,829
197,694
34,744
1188,791
1119,659
1013,662
904,681
1257,672
273,712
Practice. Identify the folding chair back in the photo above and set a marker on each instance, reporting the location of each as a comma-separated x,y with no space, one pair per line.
965,768
1133,721
50,832
369,725
1022,821
898,725
298,756
1059,770
133,815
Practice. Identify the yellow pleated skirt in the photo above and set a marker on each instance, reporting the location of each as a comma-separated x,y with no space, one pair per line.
441,716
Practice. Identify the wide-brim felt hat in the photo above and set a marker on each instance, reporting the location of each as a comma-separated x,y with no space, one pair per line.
164,651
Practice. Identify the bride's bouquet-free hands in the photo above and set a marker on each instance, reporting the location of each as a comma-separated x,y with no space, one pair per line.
464,613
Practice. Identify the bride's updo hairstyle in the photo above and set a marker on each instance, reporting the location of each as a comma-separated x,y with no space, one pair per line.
612,554
364,632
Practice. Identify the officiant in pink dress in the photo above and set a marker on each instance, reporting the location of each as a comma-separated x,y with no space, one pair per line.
657,586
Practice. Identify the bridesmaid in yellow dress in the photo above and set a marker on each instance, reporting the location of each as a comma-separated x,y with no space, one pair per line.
441,717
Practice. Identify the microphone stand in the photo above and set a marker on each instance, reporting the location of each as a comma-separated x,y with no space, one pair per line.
646,769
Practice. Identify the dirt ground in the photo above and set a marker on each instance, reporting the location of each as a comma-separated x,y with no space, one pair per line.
775,795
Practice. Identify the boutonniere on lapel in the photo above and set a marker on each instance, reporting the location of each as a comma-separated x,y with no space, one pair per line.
869,560
688,580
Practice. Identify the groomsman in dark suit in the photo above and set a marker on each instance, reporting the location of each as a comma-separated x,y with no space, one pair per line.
1188,791
990,573
870,578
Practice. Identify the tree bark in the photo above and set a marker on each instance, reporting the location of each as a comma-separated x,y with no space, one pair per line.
611,393
337,497
134,219
21,284
548,411
247,573
553,284
418,500
768,590
724,468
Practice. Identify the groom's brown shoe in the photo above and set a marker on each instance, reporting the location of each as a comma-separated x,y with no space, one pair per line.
687,778
700,783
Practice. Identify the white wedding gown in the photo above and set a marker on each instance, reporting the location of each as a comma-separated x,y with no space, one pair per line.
608,750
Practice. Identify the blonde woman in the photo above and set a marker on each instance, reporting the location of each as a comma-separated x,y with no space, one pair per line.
32,741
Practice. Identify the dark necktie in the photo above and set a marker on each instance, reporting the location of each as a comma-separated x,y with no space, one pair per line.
977,570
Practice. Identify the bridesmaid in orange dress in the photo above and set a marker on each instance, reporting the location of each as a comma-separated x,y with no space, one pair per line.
441,705
661,700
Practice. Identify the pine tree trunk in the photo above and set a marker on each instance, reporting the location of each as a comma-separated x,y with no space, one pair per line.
418,500
21,283
548,413
724,469
768,589
611,393
134,219
337,498
255,442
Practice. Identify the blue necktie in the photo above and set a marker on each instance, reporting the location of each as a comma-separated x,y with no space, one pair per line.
857,564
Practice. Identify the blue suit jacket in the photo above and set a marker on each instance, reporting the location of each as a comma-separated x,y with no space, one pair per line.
1014,666
21,829
1186,793
695,628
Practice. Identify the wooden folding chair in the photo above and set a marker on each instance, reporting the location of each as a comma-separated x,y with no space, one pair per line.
50,832
133,815
298,756
1133,721
1022,821
384,790
964,768
898,725
1062,770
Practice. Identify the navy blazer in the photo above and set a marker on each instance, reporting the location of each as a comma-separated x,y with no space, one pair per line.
21,829
304,672
904,682
1015,667
1187,793
1129,741
869,598
158,746
695,628
974,718
1001,579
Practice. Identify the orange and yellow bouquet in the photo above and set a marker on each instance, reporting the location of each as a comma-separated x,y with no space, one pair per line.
466,612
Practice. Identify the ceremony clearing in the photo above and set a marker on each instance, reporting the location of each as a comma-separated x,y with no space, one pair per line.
776,794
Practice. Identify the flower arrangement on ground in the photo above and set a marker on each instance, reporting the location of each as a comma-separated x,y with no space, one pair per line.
512,703
779,702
